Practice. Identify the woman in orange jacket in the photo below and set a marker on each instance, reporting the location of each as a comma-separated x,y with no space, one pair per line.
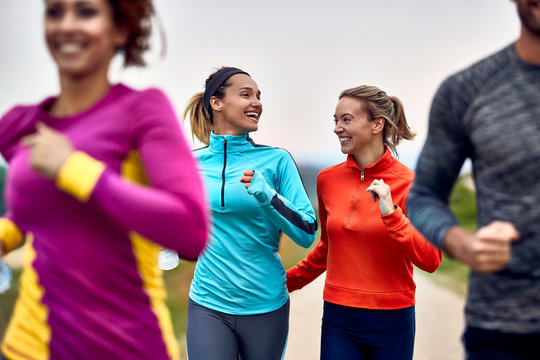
368,251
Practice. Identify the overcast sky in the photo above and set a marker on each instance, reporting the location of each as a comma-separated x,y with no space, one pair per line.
301,53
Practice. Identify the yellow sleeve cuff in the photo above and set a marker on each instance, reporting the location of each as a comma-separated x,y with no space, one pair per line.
79,175
10,235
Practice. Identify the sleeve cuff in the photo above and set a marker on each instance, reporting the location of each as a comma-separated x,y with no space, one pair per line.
79,175
10,235
394,219
292,283
260,189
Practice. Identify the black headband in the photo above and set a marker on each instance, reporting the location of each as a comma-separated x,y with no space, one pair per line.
216,83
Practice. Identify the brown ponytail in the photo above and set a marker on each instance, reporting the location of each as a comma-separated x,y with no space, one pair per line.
378,104
199,118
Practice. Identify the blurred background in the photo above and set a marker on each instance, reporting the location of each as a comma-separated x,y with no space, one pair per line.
302,54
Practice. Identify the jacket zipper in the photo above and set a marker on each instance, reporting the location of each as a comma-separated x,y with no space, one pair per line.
223,173
356,198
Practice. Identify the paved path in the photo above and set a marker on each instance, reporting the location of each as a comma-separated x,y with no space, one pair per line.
439,322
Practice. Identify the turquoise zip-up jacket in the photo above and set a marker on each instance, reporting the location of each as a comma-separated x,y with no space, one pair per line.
240,272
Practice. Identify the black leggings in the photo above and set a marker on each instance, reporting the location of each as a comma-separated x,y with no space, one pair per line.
213,335
483,344
354,333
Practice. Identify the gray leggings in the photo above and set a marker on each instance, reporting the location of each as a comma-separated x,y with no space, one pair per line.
213,335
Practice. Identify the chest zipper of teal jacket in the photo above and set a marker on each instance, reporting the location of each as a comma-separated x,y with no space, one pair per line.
356,198
223,173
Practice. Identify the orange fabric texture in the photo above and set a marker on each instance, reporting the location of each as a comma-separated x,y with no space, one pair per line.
368,257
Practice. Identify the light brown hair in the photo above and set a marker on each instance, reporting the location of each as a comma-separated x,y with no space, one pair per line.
377,104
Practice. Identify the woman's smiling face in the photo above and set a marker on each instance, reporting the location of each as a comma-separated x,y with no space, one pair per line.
81,35
240,109
352,126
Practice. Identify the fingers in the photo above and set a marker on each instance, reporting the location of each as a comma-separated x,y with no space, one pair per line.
41,130
49,149
498,232
378,189
30,140
492,248
247,178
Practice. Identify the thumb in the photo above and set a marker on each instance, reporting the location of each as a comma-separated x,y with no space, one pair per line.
43,128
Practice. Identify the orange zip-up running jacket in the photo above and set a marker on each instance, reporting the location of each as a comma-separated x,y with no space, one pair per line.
368,257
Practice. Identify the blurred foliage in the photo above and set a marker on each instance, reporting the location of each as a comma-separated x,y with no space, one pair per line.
463,202
451,273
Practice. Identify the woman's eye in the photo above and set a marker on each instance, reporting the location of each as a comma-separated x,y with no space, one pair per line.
87,12
54,12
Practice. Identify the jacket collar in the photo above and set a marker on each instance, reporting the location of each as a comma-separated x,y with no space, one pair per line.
381,164
234,142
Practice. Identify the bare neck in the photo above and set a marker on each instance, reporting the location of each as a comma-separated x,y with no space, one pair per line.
221,127
78,94
369,155
528,47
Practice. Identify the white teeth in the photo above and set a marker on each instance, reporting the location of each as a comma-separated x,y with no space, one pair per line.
343,139
70,48
252,114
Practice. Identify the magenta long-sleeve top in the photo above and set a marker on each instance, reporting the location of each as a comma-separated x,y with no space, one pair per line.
90,287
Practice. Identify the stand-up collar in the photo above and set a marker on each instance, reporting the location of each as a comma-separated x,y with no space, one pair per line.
381,164
234,142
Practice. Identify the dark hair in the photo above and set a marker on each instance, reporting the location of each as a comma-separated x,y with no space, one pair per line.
200,119
135,17
377,104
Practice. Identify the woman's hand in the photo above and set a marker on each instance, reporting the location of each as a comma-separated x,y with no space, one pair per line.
49,149
378,189
247,178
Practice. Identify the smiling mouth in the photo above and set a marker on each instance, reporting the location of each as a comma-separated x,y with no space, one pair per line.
69,48
343,139
253,115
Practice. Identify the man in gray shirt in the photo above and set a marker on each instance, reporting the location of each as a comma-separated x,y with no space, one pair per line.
490,113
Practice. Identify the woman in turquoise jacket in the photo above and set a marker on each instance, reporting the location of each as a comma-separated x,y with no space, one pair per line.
239,303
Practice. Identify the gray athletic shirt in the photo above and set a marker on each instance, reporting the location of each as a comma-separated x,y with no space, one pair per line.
490,113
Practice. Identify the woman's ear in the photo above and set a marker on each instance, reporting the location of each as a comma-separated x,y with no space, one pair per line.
120,36
378,125
216,104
